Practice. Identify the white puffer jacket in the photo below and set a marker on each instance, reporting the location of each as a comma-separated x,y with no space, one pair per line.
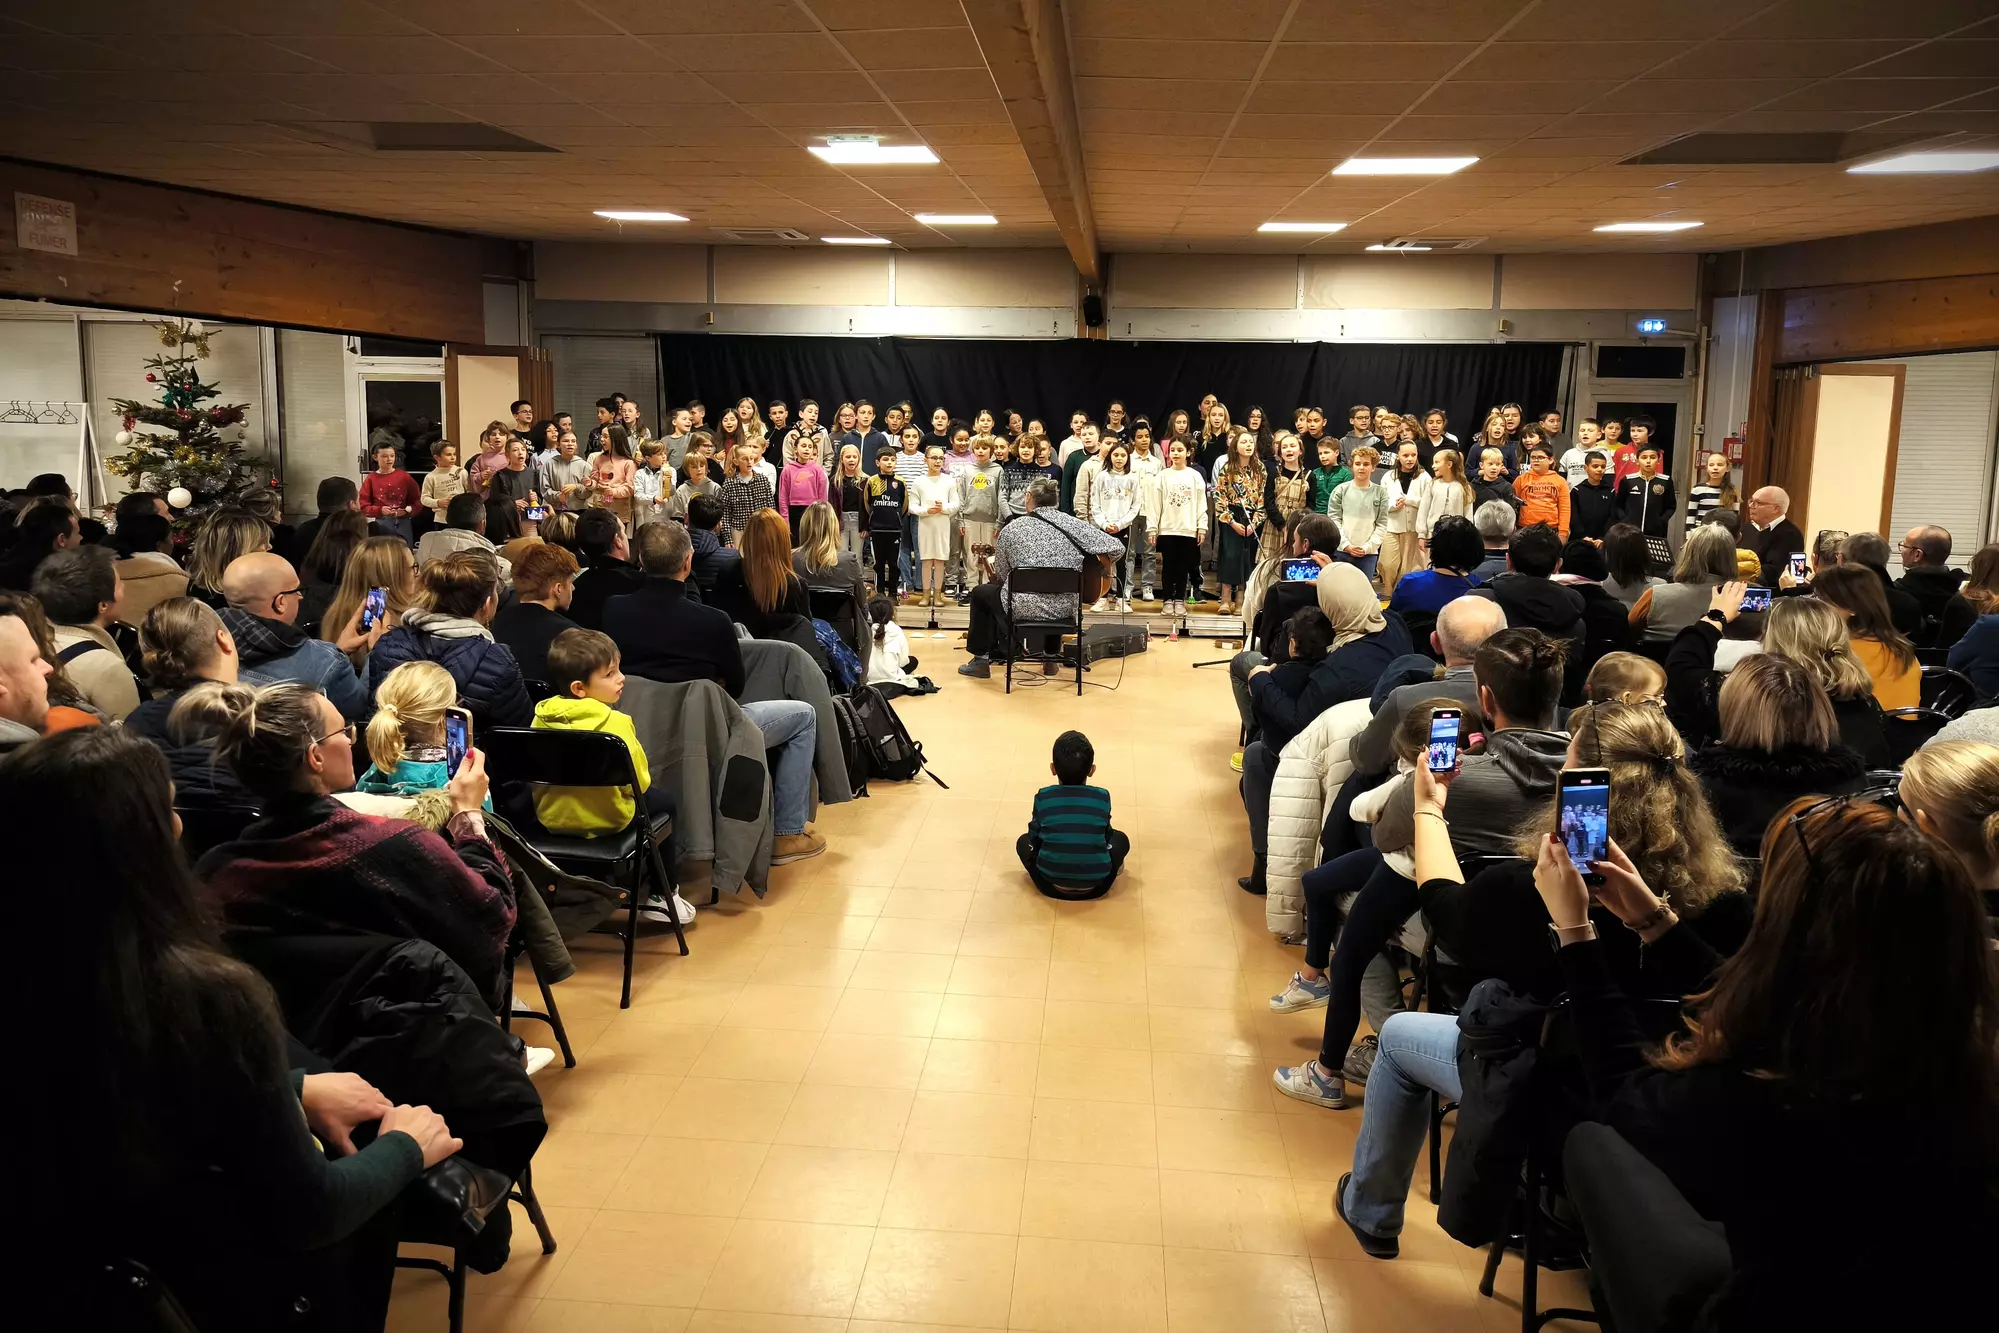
1309,774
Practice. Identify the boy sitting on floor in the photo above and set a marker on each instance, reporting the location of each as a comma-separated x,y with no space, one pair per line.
1070,849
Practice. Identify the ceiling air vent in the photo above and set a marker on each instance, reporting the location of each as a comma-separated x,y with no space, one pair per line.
409,136
1418,244
762,235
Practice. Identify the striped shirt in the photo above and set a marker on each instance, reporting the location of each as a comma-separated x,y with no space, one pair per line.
1071,828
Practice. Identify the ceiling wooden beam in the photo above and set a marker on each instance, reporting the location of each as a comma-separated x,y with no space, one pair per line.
1026,48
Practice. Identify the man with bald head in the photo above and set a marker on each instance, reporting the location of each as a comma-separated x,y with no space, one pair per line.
1927,575
1770,532
1462,626
263,593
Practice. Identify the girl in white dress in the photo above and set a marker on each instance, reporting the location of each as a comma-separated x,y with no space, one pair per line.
933,499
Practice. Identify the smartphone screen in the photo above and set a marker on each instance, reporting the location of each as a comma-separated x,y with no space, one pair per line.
1756,599
373,607
1585,819
1301,571
457,738
1443,751
1798,570
536,513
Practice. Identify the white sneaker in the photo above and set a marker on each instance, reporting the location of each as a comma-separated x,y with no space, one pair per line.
1101,605
655,910
538,1058
519,1005
1147,596
1124,606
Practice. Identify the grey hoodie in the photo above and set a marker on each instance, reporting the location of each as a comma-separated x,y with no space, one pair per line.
1495,795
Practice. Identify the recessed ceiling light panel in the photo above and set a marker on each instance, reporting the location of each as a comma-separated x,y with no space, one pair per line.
1402,166
865,150
1323,228
1647,226
1903,164
1406,247
638,215
855,240
957,219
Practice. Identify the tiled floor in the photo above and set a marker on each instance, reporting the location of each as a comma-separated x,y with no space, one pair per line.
907,1093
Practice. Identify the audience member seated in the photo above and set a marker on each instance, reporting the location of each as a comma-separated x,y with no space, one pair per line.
714,558
378,562
1951,790
1042,536
1496,521
1498,790
1463,626
605,555
199,715
182,643
24,678
1364,643
39,533
335,495
144,542
818,560
1928,577
662,634
1776,740
1271,600
185,1144
1869,551
1811,1039
1979,596
67,707
1812,633
544,584
1706,561
1527,591
459,595
766,597
1882,647
1771,536
311,866
80,591
261,613
1455,551
1627,557
405,737
326,565
226,536
1661,833
465,529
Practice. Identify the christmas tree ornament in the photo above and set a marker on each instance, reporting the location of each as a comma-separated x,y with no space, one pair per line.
122,439
180,497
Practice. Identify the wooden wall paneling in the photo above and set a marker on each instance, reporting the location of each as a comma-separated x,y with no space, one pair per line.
1890,319
1758,449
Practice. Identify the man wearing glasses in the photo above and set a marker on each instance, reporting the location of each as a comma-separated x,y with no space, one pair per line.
263,594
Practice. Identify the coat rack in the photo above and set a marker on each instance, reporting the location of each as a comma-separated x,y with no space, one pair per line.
91,488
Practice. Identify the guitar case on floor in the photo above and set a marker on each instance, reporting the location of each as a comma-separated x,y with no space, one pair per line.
1113,641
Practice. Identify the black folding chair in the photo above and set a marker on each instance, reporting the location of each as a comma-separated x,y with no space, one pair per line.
518,757
1947,692
206,826
537,689
1930,657
520,1191
837,607
549,1014
1048,583
1910,729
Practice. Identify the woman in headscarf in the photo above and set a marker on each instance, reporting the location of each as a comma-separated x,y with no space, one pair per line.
1365,641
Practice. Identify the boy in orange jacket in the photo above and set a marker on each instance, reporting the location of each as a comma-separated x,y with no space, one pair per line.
1544,495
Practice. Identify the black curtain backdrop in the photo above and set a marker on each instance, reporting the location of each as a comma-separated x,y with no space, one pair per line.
1050,379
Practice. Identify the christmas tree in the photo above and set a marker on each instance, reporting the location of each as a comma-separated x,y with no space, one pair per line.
180,445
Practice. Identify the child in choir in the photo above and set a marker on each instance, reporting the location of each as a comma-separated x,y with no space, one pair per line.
1183,522
745,491
803,482
1593,502
981,506
1449,493
694,480
1146,464
1623,458
887,512
444,480
1716,491
1574,463
1645,498
1238,517
1288,491
1360,507
652,484
565,478
1407,485
933,501
390,495
1544,495
1491,482
1327,475
1117,497
849,497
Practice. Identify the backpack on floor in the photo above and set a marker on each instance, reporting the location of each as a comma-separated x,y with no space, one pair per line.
853,743
892,753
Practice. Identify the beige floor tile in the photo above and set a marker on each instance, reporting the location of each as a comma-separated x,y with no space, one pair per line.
1002,1068
1012,904
746,1110
954,1278
886,1013
902,971
928,904
1422,1240
1108,1133
828,1116
814,966
799,1184
576,1169
1319,1145
838,897
1026,978
1210,1291
969,1124
1203,1031
749,1321
1076,943
1198,987
1222,1082
912,934
642,1259
1080,1286
1231,1142
694,1003
799,1268
553,1316
764,1004
763,1054
1121,982
945,1192
1088,1201
1211,1211
672,1174
1089,1023
865,1060
595,1101
990,1018
1362,1295
648,1048
812,930
1009,939
1094,1073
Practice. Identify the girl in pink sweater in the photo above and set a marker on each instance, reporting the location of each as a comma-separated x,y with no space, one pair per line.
802,483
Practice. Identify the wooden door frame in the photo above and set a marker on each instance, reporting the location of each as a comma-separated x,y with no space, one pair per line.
1807,455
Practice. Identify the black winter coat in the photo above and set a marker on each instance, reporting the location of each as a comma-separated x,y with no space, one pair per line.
1748,788
488,677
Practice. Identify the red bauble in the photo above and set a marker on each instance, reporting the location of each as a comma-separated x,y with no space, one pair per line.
151,378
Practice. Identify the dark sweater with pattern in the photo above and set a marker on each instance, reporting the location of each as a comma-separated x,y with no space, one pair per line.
1071,828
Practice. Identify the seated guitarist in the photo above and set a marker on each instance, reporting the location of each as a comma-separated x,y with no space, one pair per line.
1042,537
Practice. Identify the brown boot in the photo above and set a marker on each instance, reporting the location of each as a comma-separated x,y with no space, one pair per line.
791,847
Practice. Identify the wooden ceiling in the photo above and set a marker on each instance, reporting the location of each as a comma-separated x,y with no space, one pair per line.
1102,124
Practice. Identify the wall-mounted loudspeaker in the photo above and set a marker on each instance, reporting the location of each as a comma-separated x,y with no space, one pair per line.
1093,311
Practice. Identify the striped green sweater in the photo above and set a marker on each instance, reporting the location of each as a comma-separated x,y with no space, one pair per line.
1071,829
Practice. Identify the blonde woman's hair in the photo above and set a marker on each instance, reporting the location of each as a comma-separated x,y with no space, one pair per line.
204,710
1812,634
1658,813
409,708
1769,703
227,534
1707,556
378,562
1624,678
1956,783
819,535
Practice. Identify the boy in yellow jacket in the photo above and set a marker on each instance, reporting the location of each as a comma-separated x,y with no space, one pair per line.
583,668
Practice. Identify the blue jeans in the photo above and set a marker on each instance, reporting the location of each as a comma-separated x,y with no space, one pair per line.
1365,563
907,557
790,727
1419,1056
